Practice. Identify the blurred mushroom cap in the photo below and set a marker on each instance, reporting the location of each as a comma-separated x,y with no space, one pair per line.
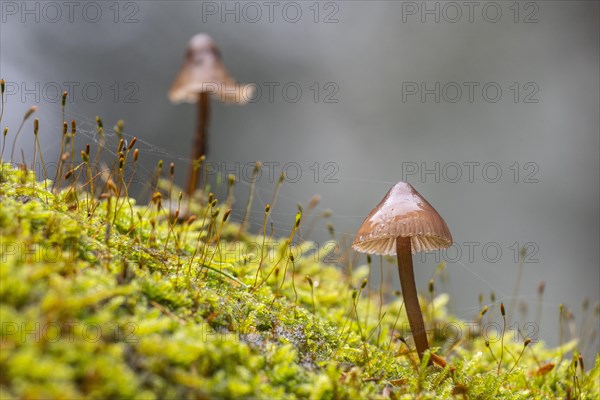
403,212
203,71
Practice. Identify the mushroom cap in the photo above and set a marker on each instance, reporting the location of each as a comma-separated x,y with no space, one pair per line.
403,212
203,71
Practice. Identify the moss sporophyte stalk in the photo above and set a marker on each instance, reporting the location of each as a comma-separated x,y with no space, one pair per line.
172,296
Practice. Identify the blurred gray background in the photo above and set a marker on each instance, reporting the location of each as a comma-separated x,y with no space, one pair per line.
369,114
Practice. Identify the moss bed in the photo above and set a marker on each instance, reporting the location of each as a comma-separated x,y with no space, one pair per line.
104,298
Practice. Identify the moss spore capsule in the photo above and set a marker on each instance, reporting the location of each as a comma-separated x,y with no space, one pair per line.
132,143
226,215
483,311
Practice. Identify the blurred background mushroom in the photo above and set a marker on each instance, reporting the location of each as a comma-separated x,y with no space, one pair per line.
401,224
201,75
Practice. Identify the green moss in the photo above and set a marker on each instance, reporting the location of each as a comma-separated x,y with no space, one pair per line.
92,309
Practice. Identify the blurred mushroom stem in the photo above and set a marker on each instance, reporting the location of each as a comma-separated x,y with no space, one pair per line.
199,145
409,294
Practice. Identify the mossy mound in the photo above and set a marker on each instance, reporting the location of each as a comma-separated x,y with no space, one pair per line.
107,299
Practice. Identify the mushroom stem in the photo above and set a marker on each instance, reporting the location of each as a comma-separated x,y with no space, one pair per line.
409,294
199,145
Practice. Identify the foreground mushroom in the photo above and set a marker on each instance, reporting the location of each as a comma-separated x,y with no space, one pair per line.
203,74
404,223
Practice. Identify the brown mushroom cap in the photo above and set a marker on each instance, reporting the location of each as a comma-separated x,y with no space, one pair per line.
203,71
403,212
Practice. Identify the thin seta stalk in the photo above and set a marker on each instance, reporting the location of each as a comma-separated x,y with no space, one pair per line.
119,185
525,344
172,222
286,250
58,178
28,113
61,158
136,154
100,133
211,203
85,157
503,312
73,178
196,166
36,128
2,89
395,323
171,182
379,316
3,144
257,168
217,239
230,184
262,247
538,309
522,255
